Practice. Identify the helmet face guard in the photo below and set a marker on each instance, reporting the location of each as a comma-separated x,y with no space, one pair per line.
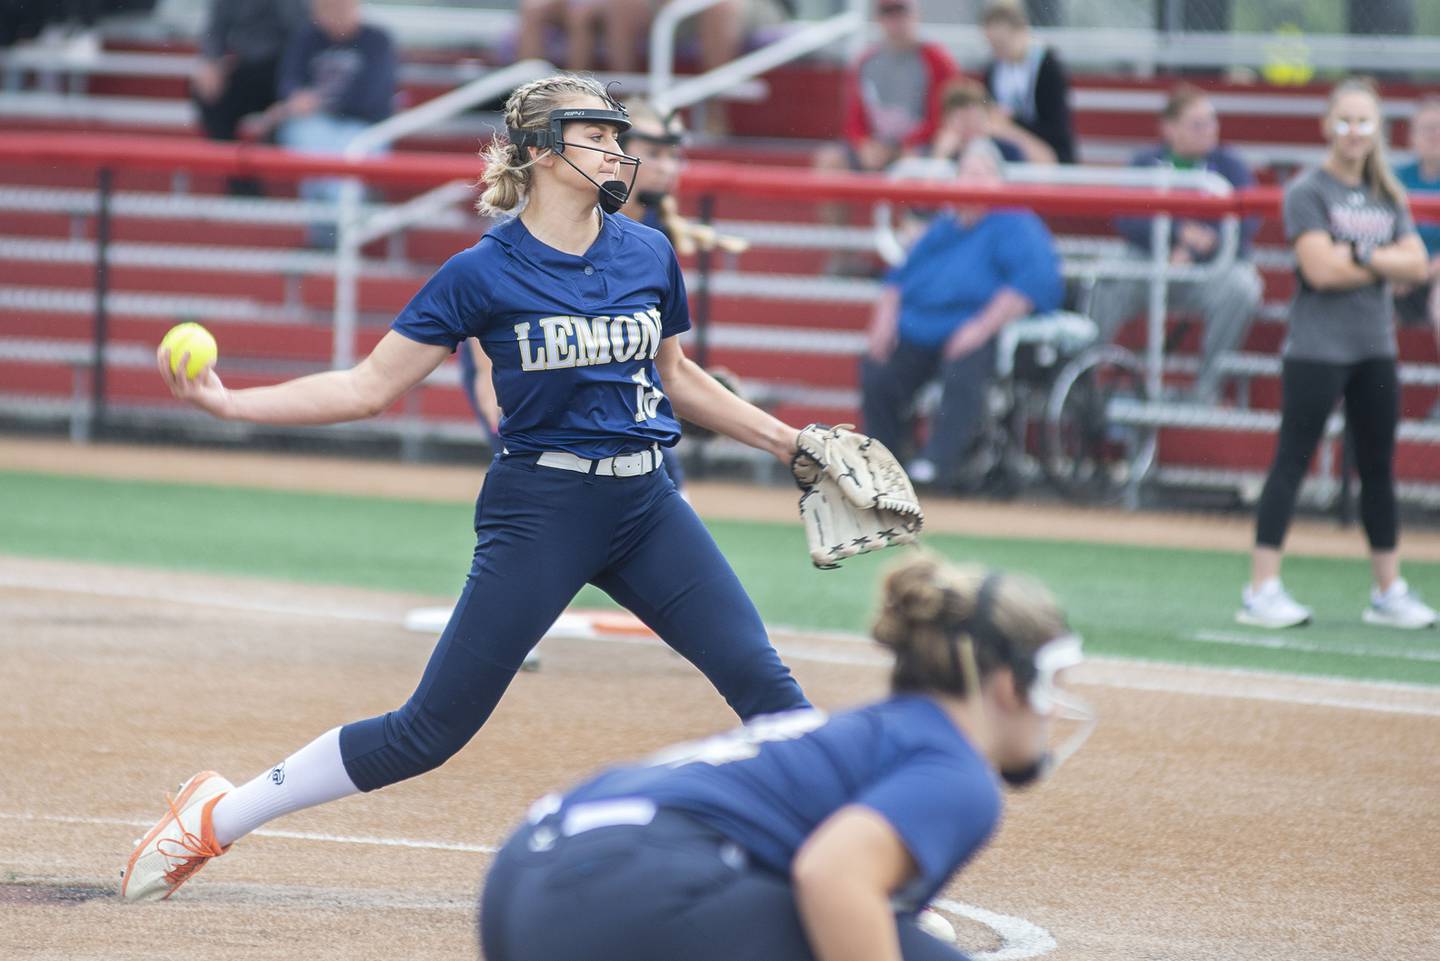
612,193
1034,677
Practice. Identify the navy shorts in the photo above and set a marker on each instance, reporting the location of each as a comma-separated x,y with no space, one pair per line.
670,889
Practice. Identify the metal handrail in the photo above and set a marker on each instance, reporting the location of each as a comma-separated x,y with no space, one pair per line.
354,230
1145,50
669,95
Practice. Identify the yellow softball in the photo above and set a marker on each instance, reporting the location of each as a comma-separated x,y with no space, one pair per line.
190,338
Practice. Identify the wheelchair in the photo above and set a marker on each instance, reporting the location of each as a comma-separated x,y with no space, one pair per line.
1048,414
1043,420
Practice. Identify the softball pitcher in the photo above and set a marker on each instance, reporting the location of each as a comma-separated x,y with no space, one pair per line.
799,836
655,142
578,308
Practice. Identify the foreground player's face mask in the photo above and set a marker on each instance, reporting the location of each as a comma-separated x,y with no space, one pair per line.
1043,695
1046,697
612,194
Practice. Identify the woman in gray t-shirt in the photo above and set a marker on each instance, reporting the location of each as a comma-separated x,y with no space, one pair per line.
1353,236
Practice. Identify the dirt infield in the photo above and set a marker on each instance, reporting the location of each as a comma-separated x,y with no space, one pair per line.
1214,815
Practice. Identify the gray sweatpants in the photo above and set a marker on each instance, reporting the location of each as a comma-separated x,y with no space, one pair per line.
1226,303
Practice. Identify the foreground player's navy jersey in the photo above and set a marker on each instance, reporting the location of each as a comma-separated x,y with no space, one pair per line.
768,785
573,339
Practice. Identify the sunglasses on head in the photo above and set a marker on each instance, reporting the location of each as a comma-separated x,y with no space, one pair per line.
1363,128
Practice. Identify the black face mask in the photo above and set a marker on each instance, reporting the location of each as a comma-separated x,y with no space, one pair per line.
1029,774
612,194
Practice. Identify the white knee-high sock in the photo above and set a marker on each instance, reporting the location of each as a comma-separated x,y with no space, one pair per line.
312,775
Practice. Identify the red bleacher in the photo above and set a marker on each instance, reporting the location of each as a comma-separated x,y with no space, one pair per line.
264,312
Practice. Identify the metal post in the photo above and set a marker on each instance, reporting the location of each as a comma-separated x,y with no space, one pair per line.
702,304
347,275
1155,315
102,290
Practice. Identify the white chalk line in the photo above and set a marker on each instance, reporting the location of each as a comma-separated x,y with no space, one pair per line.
225,601
1019,938
1270,642
271,833
1353,699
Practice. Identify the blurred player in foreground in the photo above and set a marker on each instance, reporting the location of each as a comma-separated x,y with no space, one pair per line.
803,836
580,311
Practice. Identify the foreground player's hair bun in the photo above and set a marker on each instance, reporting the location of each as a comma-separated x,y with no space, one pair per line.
927,607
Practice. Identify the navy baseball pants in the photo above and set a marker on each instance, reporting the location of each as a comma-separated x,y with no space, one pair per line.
671,889
541,535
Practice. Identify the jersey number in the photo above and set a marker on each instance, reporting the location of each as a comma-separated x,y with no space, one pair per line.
647,396
742,743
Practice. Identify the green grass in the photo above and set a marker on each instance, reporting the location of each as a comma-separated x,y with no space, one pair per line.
1127,601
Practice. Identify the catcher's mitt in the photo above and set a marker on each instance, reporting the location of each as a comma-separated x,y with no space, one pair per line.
857,497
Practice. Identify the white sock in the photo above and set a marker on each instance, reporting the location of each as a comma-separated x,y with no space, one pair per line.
312,775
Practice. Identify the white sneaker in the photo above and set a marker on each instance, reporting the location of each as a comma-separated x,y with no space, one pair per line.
1399,607
1270,606
179,844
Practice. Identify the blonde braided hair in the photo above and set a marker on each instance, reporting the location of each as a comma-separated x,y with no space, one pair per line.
507,168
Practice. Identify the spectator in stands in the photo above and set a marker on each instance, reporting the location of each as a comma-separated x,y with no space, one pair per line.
1353,236
236,73
566,31
1190,140
892,100
970,274
338,76
967,114
625,25
1420,303
1026,80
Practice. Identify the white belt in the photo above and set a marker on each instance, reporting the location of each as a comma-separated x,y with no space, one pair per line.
584,817
604,814
621,465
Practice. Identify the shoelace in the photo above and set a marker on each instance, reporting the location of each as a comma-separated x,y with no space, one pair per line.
189,851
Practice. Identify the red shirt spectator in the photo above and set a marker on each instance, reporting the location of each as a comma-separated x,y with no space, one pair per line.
892,93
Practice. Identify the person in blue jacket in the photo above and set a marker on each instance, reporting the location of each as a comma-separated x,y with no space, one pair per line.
971,273
337,77
801,835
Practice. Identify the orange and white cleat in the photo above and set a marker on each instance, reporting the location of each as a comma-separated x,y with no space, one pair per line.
179,845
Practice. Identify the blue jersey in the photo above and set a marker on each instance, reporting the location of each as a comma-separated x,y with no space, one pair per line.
768,785
573,338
